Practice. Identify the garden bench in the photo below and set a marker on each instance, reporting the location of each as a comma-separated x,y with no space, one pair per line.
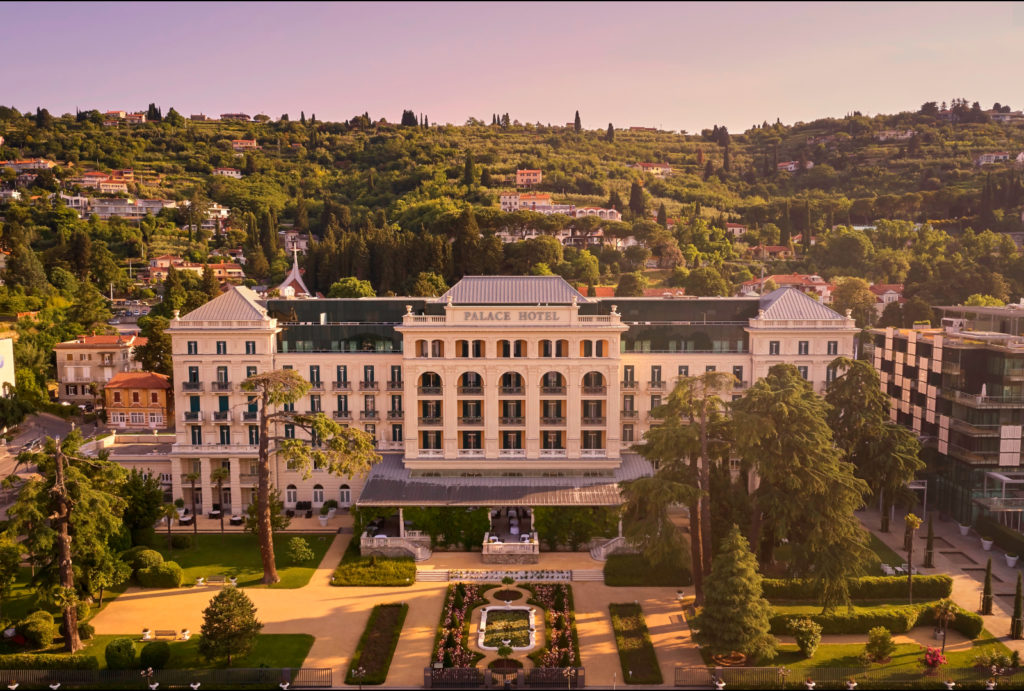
165,633
217,580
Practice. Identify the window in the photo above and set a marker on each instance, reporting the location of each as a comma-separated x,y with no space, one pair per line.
830,375
709,368
291,495
222,347
222,374
396,374
628,376
154,397
342,403
684,370
254,435
627,433
289,407
833,347
342,374
803,371
193,348
156,419
135,396
138,418
655,374
396,403
117,397
655,401
197,435
369,403
345,495
289,431
250,371
314,375
193,375
250,347
368,373
627,402
737,371
117,417
773,347
592,440
314,403
225,434
396,434
803,348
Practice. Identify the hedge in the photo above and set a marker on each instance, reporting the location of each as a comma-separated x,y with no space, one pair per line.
636,651
1009,540
120,654
627,570
48,661
866,588
146,559
165,575
38,628
379,571
155,654
898,619
377,645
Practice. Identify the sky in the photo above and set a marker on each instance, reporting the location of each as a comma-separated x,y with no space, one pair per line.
676,66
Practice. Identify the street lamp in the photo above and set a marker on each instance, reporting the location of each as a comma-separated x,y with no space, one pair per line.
358,673
570,673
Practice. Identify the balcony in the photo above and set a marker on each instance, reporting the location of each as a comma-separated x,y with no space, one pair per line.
557,420
511,390
429,390
368,415
249,415
511,420
232,449
316,385
430,421
192,416
249,478
431,453
341,385
595,390
396,415
471,453
552,453
628,385
222,416
342,414
511,453
314,411
191,386
659,385
394,385
471,420
471,390
628,414
369,386
553,390
593,453
594,420
220,385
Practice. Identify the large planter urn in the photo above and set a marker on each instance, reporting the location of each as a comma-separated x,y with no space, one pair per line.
964,529
986,544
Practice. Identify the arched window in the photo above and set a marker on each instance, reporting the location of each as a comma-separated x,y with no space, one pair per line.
471,383
593,383
430,383
318,494
437,348
291,495
511,383
345,495
552,383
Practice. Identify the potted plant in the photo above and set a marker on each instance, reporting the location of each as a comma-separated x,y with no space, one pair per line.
332,508
851,684
324,511
950,684
964,529
1011,559
179,506
986,542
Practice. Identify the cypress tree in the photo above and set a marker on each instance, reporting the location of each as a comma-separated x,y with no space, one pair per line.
709,170
577,125
611,133
1016,623
662,216
637,203
929,552
736,614
986,593
469,174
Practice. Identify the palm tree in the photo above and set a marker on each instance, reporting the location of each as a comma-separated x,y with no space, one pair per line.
945,612
193,477
170,512
218,476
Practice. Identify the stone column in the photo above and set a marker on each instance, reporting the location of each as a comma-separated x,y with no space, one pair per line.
236,487
204,483
176,489
401,523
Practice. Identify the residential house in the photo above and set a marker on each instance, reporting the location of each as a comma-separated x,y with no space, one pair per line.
244,144
95,360
1014,116
993,157
658,170
228,172
293,240
773,252
793,166
198,118
26,164
737,230
111,186
798,239
139,400
894,135
527,177
7,195
25,179
536,202
886,293
810,284
135,118
607,214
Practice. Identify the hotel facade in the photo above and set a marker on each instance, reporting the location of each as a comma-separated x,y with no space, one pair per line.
505,391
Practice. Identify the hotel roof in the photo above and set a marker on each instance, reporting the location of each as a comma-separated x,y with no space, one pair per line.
790,303
512,290
237,304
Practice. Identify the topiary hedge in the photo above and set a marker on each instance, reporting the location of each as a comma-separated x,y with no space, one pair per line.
165,575
38,629
898,619
866,588
48,661
1008,539
155,654
146,559
120,654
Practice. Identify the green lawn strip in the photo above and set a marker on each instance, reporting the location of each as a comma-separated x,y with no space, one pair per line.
885,553
512,625
270,650
239,555
636,651
632,570
22,600
377,645
356,570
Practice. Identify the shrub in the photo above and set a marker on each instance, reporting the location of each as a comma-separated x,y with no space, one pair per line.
866,588
83,609
155,654
38,629
807,635
120,654
86,631
130,555
146,559
181,541
165,575
48,661
299,551
625,570
379,572
880,645
898,619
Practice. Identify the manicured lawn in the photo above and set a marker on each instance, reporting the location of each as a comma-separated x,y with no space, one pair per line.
625,570
270,650
377,645
636,652
355,570
22,600
239,555
513,625
885,554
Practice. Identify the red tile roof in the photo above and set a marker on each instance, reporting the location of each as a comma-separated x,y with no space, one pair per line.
139,380
104,341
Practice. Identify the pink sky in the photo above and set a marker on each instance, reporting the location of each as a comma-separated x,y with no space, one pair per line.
676,66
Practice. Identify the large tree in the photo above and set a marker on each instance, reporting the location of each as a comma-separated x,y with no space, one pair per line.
229,627
342,450
71,495
807,492
144,501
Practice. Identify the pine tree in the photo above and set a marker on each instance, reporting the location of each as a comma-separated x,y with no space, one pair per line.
986,593
611,133
929,550
230,626
577,125
1017,623
736,614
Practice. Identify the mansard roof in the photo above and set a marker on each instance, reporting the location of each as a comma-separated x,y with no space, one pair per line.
790,303
512,290
236,304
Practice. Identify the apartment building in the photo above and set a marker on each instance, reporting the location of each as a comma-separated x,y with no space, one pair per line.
504,391
525,177
138,400
961,388
93,360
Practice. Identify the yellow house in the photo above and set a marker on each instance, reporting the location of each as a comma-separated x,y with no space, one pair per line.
138,400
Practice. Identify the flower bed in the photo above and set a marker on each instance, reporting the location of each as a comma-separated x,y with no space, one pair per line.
518,575
562,648
636,651
451,646
377,646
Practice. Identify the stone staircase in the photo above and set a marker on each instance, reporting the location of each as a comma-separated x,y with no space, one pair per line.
600,552
432,575
588,575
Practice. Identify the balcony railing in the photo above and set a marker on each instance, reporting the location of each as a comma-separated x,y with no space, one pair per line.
396,414
314,411
341,385
429,390
552,453
191,386
471,390
511,420
431,453
471,420
511,389
628,385
250,414
396,385
342,414
656,385
220,385
368,415
511,453
556,420
369,386
192,416
553,390
430,421
222,415
593,453
599,389
628,414
247,449
594,420
471,453
249,477
316,385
